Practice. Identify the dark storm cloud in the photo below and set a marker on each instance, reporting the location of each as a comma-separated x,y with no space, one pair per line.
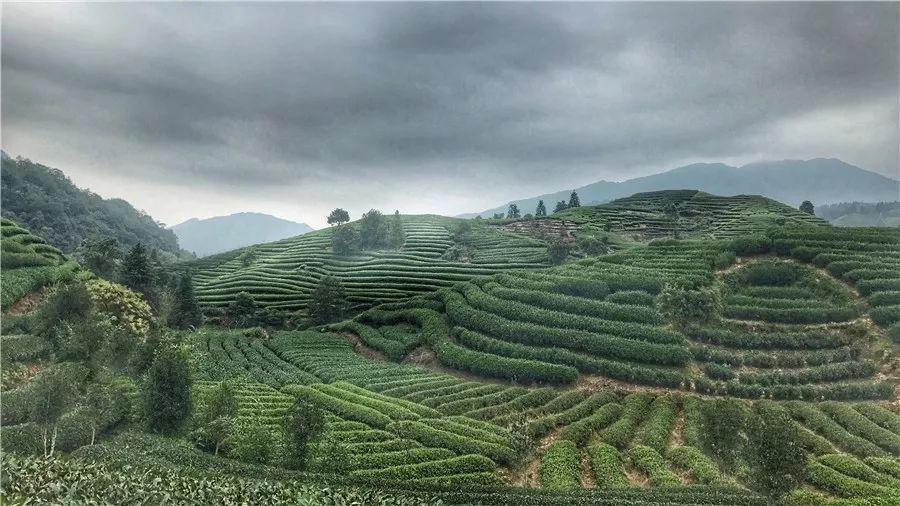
314,100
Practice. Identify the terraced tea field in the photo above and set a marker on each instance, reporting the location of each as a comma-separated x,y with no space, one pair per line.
498,379
688,213
284,273
28,263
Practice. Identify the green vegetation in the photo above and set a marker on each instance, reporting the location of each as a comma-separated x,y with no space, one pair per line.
420,379
44,200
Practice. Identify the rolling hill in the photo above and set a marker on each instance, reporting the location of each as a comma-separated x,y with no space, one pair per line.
494,378
820,180
223,233
45,201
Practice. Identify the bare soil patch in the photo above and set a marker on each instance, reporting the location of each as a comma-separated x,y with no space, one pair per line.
27,303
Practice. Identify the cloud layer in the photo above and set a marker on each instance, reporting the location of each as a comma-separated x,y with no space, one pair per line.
296,108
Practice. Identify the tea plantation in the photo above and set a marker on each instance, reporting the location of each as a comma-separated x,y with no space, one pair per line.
686,370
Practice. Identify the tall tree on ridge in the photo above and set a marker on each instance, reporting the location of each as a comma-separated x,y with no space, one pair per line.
808,208
541,209
338,217
513,211
574,201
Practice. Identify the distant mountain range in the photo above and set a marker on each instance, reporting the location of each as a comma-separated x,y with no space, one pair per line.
225,233
45,201
820,180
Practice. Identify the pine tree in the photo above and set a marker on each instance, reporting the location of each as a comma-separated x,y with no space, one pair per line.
541,210
167,398
137,272
573,200
397,236
186,309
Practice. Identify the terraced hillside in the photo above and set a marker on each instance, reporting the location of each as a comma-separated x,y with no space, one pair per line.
28,262
686,213
283,274
786,330
427,428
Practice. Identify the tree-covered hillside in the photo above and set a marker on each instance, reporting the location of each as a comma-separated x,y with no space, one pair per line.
46,202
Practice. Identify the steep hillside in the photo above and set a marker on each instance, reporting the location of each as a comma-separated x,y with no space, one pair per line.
820,180
44,200
28,263
283,274
225,233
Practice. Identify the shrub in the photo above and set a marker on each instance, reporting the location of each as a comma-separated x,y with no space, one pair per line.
724,260
651,463
695,462
683,305
750,245
770,274
886,315
560,466
632,297
608,466
167,398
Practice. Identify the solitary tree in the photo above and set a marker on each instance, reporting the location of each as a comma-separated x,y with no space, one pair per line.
373,230
777,462
101,403
397,236
329,301
560,206
513,211
247,256
345,240
185,312
137,272
574,200
303,424
808,208
242,312
167,398
541,210
338,217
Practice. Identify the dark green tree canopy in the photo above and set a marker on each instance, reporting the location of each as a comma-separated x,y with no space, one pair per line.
541,209
560,206
167,396
185,312
338,217
573,200
242,312
46,202
397,236
329,301
373,230
808,208
513,211
345,240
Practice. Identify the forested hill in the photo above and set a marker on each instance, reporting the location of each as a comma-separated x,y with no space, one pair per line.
46,202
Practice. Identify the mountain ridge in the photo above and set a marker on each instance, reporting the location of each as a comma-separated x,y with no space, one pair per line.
207,236
820,180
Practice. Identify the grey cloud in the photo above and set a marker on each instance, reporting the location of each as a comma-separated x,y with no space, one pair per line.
311,96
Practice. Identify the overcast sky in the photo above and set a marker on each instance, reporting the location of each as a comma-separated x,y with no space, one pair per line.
294,109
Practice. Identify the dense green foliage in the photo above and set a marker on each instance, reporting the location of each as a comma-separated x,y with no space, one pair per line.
45,200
